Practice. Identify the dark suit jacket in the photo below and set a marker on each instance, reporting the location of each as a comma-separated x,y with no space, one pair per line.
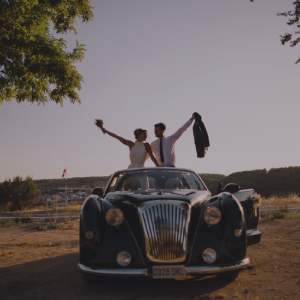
200,135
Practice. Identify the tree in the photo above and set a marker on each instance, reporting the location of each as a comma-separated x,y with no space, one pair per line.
293,21
35,66
17,195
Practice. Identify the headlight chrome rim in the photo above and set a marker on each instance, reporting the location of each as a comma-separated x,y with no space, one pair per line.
212,215
123,259
209,255
114,217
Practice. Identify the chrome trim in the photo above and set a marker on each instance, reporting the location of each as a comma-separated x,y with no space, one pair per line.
113,272
218,269
201,270
165,226
252,232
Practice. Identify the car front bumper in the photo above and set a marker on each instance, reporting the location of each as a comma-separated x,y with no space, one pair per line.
196,270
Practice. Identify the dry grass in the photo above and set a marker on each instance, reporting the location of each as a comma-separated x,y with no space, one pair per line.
71,207
205,297
292,198
293,215
76,207
211,297
280,214
220,296
34,244
5,254
41,244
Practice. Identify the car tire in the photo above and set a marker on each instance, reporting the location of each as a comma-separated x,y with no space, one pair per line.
229,275
90,279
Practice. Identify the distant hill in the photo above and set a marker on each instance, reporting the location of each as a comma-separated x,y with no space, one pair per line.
280,181
208,178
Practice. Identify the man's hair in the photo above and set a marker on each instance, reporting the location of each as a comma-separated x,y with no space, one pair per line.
162,126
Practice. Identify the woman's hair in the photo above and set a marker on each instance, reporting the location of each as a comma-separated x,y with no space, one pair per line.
139,131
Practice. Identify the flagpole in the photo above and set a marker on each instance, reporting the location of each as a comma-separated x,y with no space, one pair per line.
66,201
64,176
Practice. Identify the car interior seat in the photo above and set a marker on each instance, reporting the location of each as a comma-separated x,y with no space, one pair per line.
132,184
173,183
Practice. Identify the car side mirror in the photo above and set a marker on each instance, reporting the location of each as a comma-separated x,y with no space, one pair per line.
231,188
98,191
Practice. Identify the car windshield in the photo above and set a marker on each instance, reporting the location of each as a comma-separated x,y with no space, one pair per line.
160,179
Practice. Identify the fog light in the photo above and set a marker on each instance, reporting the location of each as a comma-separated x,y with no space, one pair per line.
124,259
89,235
238,232
209,255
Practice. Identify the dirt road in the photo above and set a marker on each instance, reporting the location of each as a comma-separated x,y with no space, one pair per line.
42,265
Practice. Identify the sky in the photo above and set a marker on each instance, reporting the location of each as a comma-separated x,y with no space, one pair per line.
160,61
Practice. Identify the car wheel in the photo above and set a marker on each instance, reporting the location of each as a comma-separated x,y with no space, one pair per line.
229,275
90,279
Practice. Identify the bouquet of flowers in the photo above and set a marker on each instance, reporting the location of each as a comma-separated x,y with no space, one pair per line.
256,203
99,123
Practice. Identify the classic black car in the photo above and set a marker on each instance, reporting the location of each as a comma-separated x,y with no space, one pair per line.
164,223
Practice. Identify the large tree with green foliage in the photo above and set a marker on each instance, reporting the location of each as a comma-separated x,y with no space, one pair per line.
34,65
17,194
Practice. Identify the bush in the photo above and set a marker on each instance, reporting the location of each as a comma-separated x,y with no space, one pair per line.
280,213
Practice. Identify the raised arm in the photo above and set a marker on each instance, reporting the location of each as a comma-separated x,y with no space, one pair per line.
149,151
182,129
122,140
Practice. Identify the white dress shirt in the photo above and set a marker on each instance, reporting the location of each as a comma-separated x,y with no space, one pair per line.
168,145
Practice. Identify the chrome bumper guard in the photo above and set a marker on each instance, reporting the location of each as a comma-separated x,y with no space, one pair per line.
200,270
253,237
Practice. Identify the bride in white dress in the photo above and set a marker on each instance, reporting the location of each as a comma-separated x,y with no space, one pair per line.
140,151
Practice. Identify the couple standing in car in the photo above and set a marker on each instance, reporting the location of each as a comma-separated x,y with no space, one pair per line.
162,150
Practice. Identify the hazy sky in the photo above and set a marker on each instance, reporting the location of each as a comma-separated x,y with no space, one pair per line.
159,61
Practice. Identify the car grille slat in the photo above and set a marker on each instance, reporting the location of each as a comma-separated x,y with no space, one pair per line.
165,226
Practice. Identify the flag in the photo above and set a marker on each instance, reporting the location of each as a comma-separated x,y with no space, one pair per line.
64,174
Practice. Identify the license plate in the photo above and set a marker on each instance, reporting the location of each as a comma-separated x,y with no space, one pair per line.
159,272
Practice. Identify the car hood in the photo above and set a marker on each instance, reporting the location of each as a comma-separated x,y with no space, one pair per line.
138,197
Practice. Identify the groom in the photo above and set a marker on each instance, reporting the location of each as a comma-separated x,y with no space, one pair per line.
164,147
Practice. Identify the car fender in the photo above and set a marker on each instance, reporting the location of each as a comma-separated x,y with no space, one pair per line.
220,237
108,240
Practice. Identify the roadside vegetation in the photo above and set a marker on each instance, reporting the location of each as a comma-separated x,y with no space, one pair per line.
280,212
65,224
17,194
292,198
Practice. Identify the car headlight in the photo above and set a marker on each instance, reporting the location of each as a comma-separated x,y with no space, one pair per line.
114,217
212,215
123,258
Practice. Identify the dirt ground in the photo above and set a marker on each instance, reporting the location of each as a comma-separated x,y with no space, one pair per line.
42,265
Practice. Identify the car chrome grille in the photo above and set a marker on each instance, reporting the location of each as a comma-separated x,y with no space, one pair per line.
165,226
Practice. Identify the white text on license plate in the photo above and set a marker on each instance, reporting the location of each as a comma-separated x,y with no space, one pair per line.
159,272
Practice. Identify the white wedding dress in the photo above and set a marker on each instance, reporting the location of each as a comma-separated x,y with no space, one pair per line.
138,155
